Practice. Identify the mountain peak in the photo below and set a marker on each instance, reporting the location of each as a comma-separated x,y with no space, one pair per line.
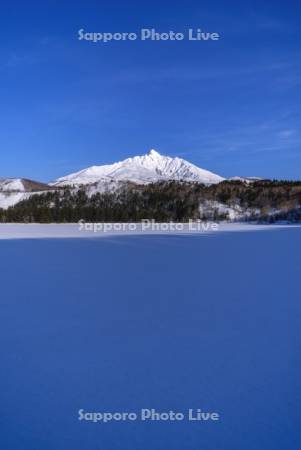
149,168
153,152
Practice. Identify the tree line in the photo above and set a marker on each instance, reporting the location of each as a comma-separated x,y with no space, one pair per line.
163,201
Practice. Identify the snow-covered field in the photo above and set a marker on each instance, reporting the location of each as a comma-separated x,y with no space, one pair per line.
169,322
32,231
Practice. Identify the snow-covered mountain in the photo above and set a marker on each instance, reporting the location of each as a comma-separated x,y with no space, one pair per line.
145,169
14,190
21,185
11,185
246,180
120,176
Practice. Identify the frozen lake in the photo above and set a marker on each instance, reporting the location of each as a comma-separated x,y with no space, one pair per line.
164,322
100,230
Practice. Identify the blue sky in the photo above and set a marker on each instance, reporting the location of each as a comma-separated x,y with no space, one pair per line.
230,106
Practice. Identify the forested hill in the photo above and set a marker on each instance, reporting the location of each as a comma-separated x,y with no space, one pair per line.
165,201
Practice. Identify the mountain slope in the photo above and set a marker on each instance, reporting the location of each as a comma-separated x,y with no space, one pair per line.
246,180
170,201
21,185
145,169
14,190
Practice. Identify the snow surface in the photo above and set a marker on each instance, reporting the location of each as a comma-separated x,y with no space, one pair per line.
11,185
233,212
164,322
246,180
12,191
8,199
36,231
148,168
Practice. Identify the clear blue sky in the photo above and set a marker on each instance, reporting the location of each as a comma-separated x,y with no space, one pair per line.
231,106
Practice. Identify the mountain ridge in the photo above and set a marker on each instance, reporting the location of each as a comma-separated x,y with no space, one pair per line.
149,168
146,169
